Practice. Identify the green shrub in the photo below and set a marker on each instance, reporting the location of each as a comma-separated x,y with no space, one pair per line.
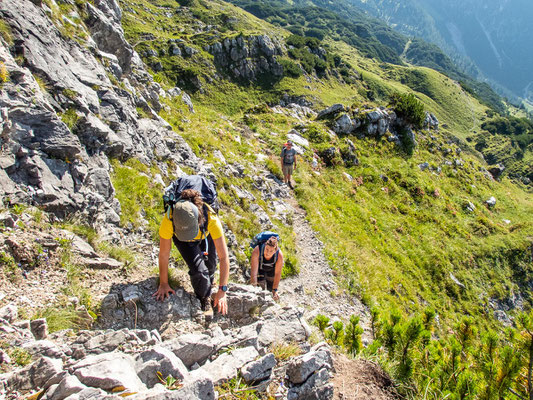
329,154
316,134
322,322
352,337
5,32
407,107
290,267
336,335
20,356
290,69
10,269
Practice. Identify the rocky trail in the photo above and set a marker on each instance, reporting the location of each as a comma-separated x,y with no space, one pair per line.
315,287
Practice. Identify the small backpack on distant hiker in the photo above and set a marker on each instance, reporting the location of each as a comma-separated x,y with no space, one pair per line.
260,240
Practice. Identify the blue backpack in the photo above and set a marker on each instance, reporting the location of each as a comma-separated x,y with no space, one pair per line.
259,240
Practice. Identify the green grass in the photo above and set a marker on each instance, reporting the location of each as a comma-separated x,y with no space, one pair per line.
120,253
20,356
4,73
285,351
70,118
5,32
139,195
9,270
237,389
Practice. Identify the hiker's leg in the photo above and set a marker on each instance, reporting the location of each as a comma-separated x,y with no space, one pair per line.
261,279
290,169
261,284
211,262
285,173
194,257
269,276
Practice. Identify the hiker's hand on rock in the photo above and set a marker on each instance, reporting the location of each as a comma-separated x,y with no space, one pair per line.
275,296
163,292
220,302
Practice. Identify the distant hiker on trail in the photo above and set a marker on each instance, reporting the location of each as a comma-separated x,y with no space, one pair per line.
266,262
316,161
288,162
196,230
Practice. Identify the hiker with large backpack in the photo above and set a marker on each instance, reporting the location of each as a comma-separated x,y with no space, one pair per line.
288,162
192,223
266,262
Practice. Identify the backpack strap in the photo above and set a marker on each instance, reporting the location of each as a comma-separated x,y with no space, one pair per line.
261,255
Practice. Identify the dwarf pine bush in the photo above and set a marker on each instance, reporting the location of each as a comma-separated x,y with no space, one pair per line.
352,336
321,321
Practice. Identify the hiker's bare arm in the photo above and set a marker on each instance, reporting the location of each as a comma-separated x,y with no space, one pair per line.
277,272
254,262
222,251
164,289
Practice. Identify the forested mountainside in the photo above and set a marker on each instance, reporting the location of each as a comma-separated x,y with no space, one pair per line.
509,147
374,38
407,243
491,36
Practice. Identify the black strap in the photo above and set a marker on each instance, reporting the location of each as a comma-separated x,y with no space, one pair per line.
261,255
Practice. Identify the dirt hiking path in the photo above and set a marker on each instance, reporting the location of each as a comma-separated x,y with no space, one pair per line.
315,288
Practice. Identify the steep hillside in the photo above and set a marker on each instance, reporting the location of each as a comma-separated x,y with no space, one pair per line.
344,22
492,35
400,222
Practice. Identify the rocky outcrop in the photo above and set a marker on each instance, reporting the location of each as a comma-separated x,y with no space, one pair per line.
248,58
369,122
135,362
62,118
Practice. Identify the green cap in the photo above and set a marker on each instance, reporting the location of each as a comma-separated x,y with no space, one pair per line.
185,217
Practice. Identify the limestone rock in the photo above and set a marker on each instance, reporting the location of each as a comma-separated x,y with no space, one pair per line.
108,371
227,365
35,375
343,125
317,387
330,111
109,341
109,37
39,328
491,202
302,367
9,313
45,348
259,370
68,386
159,359
192,348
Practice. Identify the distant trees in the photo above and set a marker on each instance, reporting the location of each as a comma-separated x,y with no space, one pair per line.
519,129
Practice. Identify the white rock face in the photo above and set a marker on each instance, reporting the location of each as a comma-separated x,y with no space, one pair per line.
109,371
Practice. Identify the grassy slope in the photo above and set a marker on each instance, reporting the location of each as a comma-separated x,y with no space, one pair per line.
392,242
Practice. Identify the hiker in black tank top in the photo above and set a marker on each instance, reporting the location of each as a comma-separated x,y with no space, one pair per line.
267,263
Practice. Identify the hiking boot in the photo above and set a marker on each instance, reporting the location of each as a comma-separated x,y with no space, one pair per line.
290,185
205,305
